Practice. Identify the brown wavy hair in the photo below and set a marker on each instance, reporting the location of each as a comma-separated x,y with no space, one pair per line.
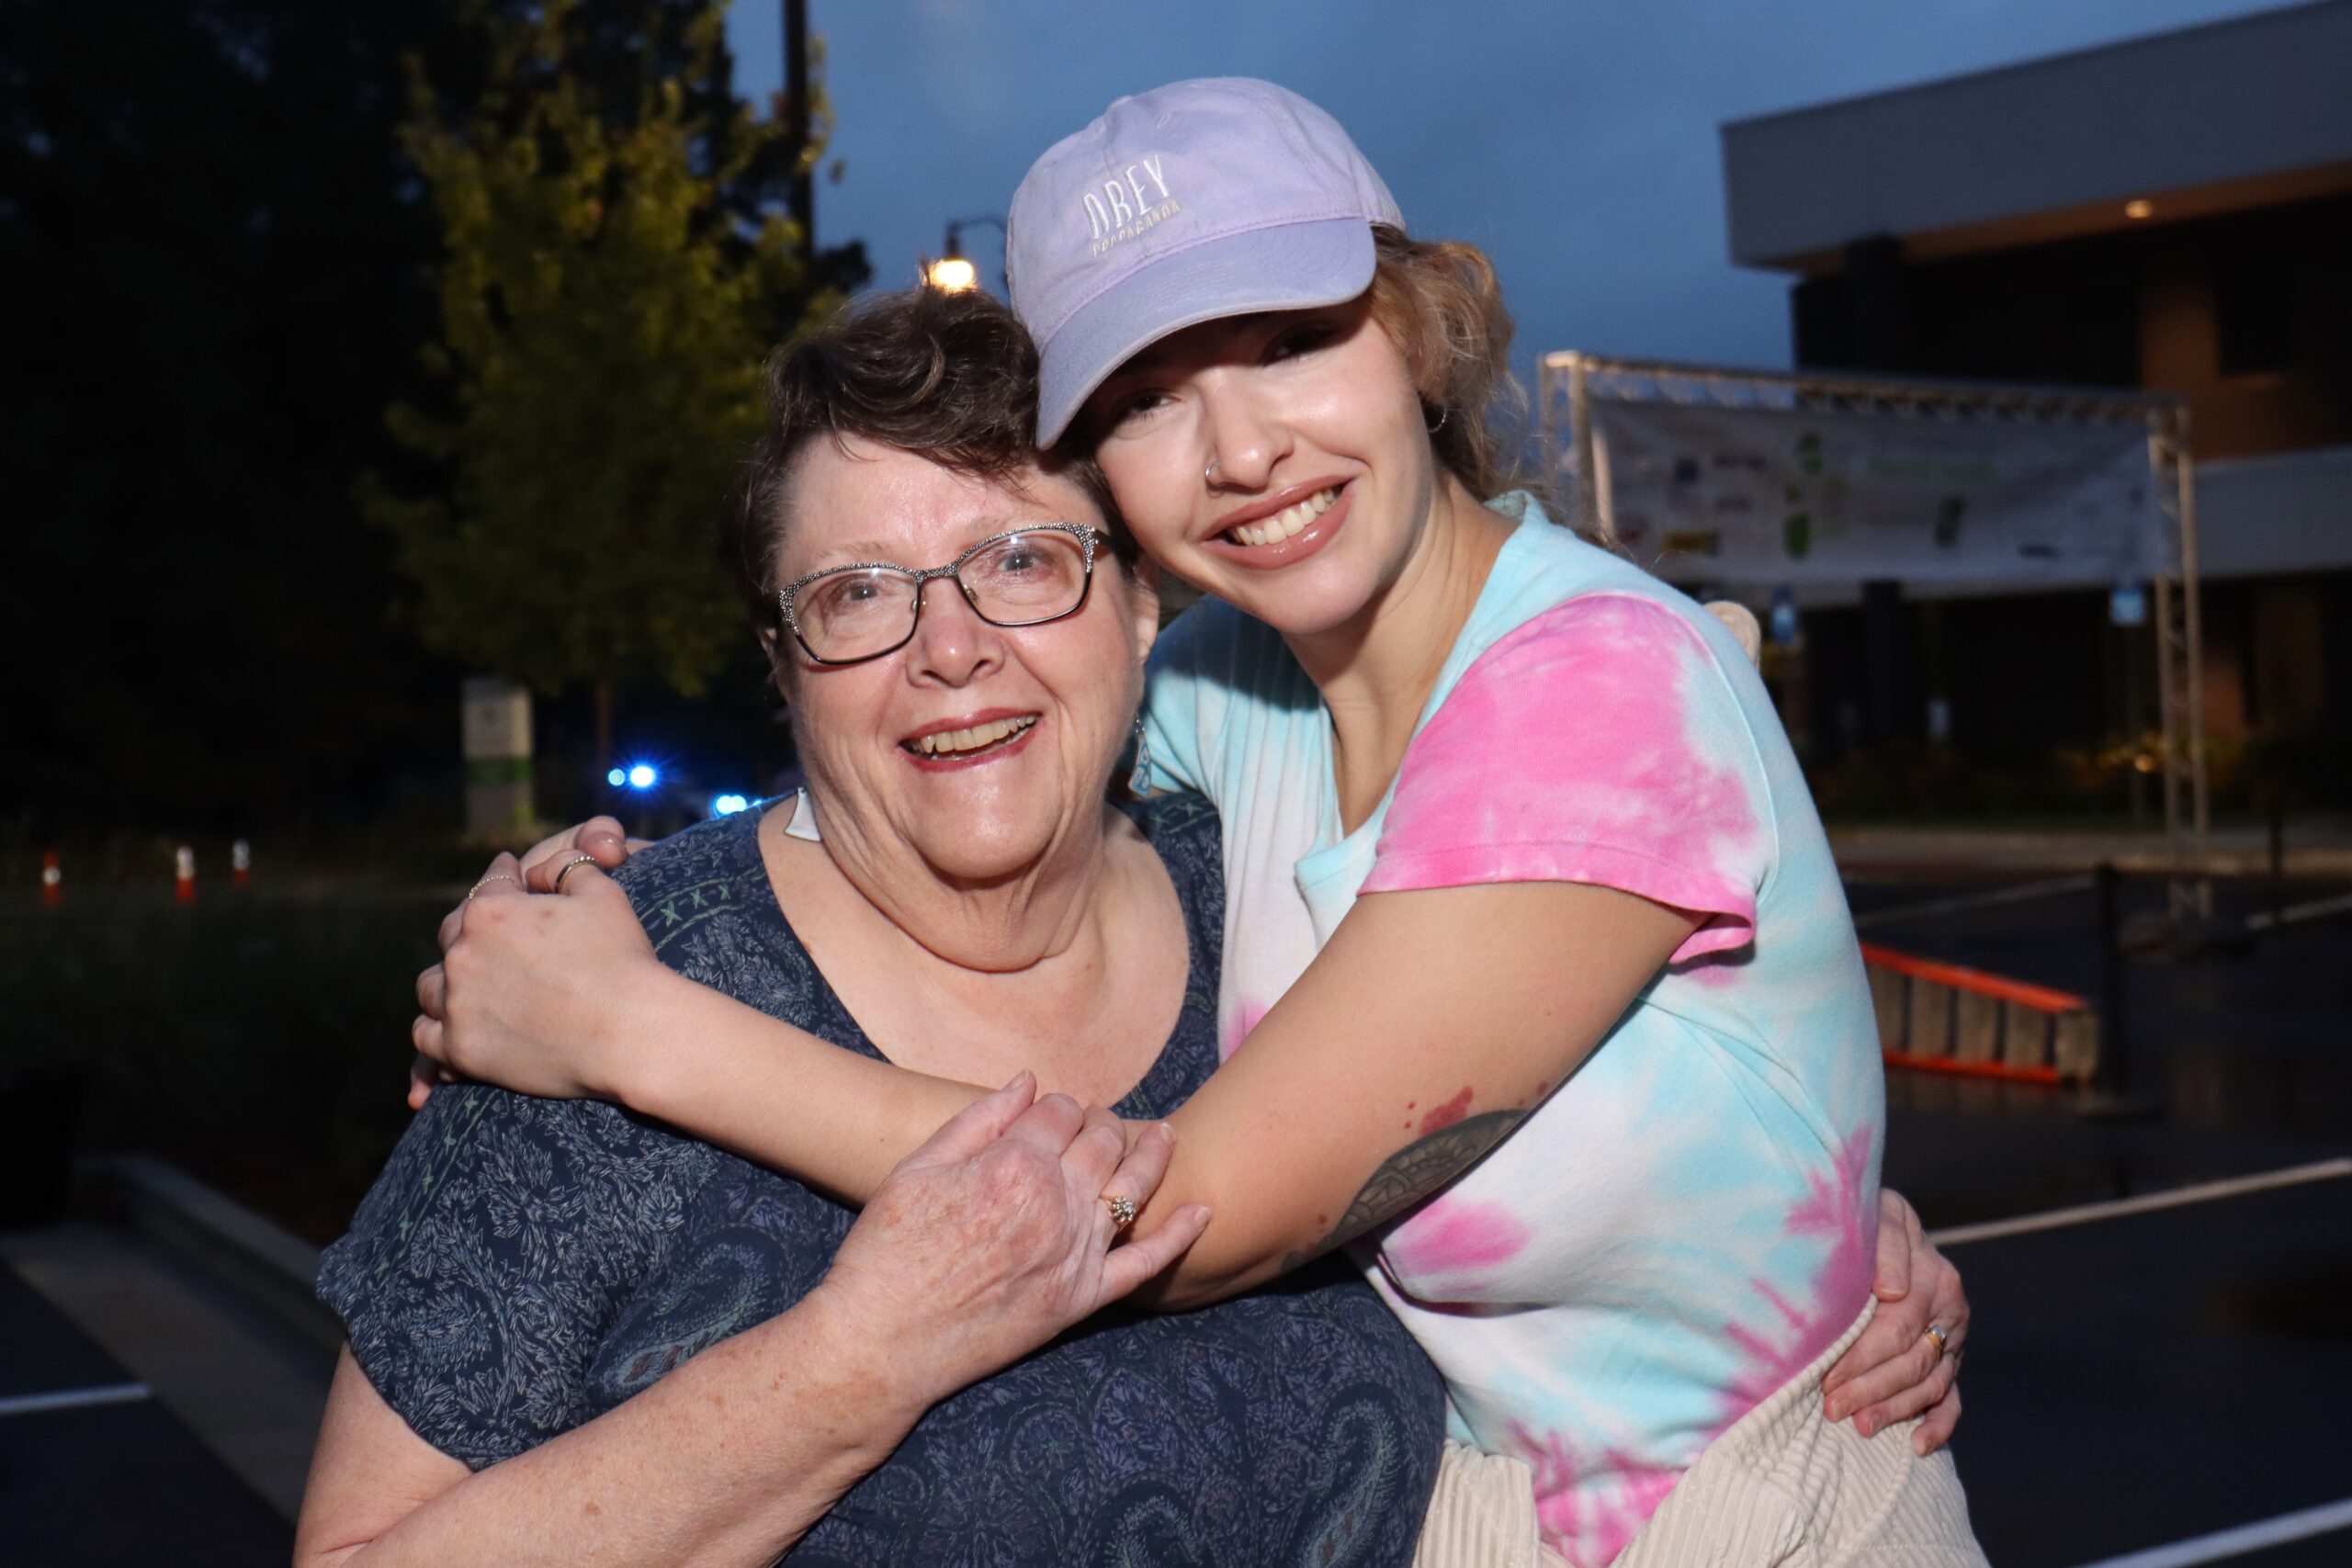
1440,303
951,378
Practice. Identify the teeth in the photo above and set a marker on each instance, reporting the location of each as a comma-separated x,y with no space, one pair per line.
1282,525
948,743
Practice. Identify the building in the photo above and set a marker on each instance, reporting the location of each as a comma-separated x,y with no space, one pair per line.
2170,212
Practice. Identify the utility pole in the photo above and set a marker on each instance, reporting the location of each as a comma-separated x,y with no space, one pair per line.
803,198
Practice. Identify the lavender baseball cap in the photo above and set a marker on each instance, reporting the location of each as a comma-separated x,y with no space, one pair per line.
1192,202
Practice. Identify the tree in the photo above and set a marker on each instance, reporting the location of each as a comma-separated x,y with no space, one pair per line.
219,288
607,292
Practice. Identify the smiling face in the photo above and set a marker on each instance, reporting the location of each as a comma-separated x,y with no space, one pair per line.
1279,461
978,749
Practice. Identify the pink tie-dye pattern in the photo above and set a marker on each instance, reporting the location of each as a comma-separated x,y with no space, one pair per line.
1589,1504
1838,1206
1453,1236
1249,1013
1589,1523
1566,753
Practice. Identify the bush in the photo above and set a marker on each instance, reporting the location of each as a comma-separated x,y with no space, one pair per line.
260,1039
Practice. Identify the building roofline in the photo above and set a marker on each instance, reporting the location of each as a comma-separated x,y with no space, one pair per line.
2060,61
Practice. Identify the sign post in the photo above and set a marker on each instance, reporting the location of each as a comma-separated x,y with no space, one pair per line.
497,748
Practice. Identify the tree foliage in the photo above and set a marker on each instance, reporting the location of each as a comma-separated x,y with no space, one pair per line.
607,291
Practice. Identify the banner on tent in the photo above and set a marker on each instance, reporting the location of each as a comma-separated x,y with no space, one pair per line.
1783,496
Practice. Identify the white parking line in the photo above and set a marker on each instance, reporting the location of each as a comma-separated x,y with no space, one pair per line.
2203,1192
2237,1543
75,1398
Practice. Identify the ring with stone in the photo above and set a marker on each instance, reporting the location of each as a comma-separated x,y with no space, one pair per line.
496,877
1122,1212
574,864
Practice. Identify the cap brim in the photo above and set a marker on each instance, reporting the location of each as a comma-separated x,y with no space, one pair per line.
1294,267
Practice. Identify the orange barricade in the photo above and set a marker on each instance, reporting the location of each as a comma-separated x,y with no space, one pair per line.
1947,1018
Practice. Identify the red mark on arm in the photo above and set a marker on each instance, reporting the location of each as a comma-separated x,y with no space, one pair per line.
1446,1115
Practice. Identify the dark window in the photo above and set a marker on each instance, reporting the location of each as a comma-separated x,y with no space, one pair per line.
2253,311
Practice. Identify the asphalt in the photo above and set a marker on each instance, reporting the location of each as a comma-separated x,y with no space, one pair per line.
119,1479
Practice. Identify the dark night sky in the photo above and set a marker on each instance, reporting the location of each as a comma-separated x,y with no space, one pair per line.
1574,139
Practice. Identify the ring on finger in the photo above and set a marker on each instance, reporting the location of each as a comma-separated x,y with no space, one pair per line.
574,864
1122,1212
1935,1331
494,876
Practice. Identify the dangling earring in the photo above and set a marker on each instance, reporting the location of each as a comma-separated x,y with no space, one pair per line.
1442,415
1140,776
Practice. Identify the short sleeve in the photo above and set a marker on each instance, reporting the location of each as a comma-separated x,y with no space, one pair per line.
1599,742
485,1267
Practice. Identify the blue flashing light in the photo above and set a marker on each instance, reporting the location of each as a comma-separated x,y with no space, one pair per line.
644,775
616,778
728,805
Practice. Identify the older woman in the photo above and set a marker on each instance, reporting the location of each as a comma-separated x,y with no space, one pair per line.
962,652
1551,998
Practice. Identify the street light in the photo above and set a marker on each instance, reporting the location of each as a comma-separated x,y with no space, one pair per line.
953,273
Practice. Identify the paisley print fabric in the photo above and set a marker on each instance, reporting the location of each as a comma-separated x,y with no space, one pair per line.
524,1264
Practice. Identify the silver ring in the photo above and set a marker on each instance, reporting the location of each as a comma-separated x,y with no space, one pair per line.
1122,1212
574,864
486,881
1943,1341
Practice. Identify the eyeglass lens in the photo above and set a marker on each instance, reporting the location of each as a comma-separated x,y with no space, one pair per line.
1015,580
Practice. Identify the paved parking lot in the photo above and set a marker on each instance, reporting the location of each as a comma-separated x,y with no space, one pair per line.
95,1471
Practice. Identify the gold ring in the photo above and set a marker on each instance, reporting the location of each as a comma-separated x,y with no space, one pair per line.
574,864
1943,1341
1123,1213
498,876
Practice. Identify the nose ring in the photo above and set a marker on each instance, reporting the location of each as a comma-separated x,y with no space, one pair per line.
1209,473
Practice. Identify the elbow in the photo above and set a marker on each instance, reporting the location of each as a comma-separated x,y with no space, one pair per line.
1220,1266
313,1553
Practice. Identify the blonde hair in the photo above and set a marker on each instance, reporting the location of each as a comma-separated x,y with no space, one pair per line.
1440,305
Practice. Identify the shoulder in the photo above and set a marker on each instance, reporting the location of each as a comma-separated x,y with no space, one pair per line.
713,851
480,1269
1635,636
1184,829
1181,824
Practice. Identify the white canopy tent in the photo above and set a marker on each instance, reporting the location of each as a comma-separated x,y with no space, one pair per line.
1753,479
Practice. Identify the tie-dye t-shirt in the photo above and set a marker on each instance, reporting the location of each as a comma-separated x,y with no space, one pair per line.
1690,1219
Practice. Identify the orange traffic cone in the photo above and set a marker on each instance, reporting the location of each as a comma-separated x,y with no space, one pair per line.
184,874
52,881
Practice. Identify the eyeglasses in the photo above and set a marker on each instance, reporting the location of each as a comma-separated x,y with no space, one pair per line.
846,614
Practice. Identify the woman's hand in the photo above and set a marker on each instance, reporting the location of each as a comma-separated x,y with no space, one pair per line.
994,1237
599,836
537,994
1895,1370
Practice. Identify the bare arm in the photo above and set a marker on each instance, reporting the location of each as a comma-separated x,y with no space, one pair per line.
737,1078
726,1461
1325,1125
980,1247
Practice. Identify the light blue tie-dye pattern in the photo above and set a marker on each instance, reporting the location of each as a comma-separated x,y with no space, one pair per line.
1689,1221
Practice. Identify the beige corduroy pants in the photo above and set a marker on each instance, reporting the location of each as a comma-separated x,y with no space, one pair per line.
1783,1487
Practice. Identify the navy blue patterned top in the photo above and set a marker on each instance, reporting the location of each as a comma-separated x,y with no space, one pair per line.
524,1264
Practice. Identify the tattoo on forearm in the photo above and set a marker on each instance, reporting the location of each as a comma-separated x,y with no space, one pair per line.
1415,1171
